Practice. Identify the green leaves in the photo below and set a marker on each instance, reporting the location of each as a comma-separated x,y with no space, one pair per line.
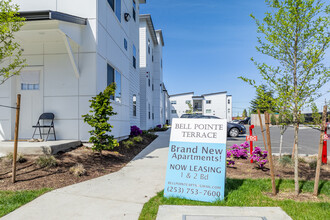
10,51
101,110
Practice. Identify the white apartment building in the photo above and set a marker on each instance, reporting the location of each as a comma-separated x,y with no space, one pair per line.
215,104
154,97
74,49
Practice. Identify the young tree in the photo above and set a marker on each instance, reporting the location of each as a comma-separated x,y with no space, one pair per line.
244,114
191,109
101,110
315,114
264,100
295,33
11,61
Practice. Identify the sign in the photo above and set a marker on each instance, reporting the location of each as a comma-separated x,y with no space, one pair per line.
251,138
196,167
326,137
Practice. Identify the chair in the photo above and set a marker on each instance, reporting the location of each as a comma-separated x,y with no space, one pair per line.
45,117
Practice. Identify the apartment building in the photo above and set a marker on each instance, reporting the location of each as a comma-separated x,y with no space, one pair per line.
216,104
154,96
74,49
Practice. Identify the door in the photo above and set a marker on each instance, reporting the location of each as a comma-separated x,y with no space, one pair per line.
30,87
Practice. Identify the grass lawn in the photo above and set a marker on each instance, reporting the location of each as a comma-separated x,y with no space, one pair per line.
249,192
10,200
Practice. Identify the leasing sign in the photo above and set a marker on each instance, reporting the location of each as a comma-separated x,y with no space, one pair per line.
196,167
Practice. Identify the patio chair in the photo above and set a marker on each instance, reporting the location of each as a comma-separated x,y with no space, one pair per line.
47,120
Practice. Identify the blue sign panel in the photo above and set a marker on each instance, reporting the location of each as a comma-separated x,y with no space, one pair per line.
196,167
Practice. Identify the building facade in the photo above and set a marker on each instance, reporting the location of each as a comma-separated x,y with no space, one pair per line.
72,54
154,97
214,104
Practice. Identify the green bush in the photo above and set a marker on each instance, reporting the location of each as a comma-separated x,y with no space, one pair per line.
99,120
273,119
46,161
137,139
10,156
285,161
128,143
145,132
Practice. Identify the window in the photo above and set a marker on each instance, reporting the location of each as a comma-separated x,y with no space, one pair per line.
188,102
125,43
228,101
208,111
208,101
152,57
30,80
228,111
134,105
161,63
149,111
152,87
148,46
134,10
153,114
116,7
134,56
173,111
149,82
173,102
113,76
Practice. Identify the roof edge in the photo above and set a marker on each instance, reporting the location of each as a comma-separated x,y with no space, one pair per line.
150,24
160,32
187,93
216,93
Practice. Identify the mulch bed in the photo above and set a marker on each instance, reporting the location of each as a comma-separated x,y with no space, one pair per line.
244,169
30,176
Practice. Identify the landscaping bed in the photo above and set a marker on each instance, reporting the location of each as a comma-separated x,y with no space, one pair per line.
30,176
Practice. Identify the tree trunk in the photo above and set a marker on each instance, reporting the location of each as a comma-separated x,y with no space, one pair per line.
281,143
296,176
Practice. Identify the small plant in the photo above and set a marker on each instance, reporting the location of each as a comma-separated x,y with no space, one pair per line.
159,126
137,139
285,161
240,151
301,160
313,164
101,110
46,161
10,156
78,170
135,131
144,132
230,161
128,143
259,157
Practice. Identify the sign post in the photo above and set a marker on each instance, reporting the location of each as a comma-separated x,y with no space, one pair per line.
324,150
196,167
251,139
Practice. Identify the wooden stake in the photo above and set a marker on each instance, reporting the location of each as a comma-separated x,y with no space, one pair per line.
270,156
319,156
16,137
262,130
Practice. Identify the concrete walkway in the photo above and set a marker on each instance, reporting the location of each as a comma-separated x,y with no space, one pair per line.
119,195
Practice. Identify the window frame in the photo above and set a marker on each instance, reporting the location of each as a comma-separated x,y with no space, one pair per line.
134,56
208,101
115,74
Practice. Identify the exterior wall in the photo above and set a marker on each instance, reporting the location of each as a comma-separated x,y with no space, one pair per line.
99,43
218,105
180,107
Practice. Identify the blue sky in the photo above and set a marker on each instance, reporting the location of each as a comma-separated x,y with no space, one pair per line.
208,44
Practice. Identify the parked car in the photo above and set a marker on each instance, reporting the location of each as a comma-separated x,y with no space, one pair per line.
246,121
233,130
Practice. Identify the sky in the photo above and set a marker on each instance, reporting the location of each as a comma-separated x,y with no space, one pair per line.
209,44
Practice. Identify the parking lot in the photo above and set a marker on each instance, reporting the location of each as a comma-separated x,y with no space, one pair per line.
308,141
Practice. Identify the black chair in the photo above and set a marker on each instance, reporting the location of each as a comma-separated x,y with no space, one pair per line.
50,125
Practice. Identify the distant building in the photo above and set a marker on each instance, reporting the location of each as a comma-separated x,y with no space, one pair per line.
216,104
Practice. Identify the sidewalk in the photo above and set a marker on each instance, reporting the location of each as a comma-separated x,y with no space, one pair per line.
119,195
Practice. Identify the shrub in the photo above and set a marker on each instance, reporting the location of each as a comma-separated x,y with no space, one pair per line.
145,132
273,119
230,160
259,157
10,156
313,164
101,110
137,139
301,160
159,126
240,151
46,161
135,131
285,161
78,170
128,143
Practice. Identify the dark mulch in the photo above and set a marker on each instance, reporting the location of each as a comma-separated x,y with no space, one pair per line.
30,176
